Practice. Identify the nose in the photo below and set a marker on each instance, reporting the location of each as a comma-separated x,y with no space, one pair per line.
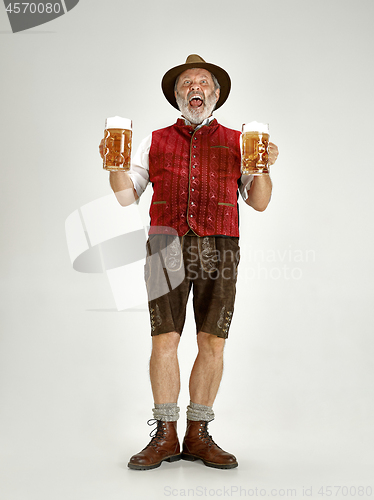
195,86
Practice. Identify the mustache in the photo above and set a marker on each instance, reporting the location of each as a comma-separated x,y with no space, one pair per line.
194,94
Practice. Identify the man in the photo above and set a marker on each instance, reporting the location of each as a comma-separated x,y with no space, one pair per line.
194,167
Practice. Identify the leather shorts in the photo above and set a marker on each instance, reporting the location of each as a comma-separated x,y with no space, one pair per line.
206,265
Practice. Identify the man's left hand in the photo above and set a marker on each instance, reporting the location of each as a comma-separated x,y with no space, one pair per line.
273,153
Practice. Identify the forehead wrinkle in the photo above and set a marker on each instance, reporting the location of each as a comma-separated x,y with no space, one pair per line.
202,74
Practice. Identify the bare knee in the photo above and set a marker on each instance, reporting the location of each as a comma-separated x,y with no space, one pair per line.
165,344
210,345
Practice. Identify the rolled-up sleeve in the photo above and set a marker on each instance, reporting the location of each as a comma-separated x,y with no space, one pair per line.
139,171
245,184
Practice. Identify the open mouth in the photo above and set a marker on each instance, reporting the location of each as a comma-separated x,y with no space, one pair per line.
196,101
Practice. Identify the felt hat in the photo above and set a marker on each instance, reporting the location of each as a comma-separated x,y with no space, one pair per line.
195,61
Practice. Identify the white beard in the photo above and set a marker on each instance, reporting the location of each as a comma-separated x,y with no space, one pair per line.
197,115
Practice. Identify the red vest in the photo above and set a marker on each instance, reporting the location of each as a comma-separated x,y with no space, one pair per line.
195,177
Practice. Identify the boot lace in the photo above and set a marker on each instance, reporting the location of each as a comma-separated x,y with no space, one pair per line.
157,433
205,436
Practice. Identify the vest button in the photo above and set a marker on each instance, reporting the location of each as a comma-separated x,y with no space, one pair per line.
192,189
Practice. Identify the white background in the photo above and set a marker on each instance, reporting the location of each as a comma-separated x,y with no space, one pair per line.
296,402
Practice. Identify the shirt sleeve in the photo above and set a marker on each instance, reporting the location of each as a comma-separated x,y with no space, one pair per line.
245,184
139,171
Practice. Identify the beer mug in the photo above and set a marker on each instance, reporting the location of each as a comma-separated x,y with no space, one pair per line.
117,144
255,143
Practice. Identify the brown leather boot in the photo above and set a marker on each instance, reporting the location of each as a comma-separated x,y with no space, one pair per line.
164,445
198,444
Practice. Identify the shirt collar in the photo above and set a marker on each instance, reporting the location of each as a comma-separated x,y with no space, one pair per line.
205,122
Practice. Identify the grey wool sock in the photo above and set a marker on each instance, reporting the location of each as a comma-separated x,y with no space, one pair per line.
167,412
198,412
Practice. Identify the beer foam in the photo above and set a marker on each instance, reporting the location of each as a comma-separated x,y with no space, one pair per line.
263,128
118,122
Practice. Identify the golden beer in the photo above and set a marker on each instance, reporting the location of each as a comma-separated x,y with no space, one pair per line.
255,143
117,144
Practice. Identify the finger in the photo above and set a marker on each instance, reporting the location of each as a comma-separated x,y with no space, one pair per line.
273,152
101,149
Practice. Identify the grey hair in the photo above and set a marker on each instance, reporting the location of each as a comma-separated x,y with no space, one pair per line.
215,81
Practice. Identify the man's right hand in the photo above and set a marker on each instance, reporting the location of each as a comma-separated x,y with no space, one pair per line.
121,184
101,149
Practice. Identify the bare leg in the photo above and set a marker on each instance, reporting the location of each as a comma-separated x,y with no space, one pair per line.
164,368
207,370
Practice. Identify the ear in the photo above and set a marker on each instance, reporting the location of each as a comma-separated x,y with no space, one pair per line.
217,94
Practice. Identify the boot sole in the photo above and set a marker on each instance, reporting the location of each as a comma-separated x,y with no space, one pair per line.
173,458
192,458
